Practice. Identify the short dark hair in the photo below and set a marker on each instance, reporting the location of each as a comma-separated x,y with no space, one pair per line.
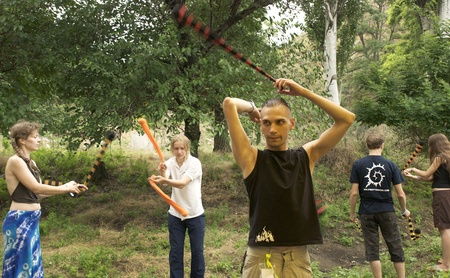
275,102
374,140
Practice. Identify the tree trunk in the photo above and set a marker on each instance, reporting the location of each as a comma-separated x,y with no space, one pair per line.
221,142
192,131
330,50
444,13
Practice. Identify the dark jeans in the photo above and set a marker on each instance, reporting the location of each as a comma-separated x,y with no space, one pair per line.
387,223
177,232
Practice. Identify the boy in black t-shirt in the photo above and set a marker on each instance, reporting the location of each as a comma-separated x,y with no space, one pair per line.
372,178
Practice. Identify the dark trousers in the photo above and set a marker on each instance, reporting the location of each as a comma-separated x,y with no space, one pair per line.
177,232
386,222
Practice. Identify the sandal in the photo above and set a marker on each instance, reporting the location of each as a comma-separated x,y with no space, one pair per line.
436,268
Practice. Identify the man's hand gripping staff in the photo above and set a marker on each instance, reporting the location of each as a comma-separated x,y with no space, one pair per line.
158,190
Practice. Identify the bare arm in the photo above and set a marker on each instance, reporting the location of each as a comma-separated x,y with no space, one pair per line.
17,171
181,183
424,175
401,196
343,119
354,193
244,153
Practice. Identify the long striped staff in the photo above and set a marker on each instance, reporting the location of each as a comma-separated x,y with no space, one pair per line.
109,137
179,12
413,233
416,151
358,225
52,182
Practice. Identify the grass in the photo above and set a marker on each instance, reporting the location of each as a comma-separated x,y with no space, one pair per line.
119,227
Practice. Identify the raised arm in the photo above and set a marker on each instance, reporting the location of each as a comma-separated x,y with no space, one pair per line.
343,119
244,153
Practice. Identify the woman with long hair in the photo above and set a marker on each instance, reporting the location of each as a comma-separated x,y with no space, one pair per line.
439,174
22,248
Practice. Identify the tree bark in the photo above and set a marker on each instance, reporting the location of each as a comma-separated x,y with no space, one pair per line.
331,50
221,142
444,12
192,131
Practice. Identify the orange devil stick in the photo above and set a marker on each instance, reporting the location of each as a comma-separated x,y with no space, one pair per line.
166,198
158,190
144,125
416,151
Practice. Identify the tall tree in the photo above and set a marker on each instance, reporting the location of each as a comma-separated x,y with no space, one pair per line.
444,12
325,22
374,38
25,62
109,62
409,88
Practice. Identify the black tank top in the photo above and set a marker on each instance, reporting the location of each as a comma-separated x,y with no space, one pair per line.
441,178
24,195
282,207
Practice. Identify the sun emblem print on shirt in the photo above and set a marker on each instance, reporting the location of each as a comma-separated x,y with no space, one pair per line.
375,175
265,236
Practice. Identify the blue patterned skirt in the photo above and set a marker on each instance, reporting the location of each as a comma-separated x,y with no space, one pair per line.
22,245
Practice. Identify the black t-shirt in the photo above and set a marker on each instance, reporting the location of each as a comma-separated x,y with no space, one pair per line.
375,176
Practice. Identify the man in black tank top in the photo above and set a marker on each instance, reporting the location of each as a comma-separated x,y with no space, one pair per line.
278,179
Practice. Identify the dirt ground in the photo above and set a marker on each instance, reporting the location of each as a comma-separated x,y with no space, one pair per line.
331,255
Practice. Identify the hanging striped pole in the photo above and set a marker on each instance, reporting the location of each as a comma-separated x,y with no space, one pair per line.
184,19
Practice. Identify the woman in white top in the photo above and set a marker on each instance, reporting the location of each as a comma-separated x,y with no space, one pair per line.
183,173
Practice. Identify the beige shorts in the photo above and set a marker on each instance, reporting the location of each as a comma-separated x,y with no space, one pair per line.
288,262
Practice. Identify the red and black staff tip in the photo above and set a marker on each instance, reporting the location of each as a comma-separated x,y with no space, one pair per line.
322,208
416,151
180,14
